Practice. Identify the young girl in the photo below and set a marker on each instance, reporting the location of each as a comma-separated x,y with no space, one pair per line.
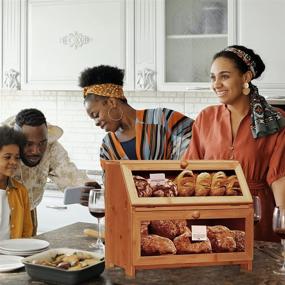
15,214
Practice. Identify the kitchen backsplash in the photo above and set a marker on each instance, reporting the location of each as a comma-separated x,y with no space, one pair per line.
81,138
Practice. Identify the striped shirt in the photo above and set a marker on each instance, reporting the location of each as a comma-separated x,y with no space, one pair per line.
160,134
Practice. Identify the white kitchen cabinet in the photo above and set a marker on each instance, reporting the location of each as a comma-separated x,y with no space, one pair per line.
189,33
47,43
261,27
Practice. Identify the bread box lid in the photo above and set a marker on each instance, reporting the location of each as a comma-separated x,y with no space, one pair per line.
130,168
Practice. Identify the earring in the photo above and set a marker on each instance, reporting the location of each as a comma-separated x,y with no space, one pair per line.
115,119
246,89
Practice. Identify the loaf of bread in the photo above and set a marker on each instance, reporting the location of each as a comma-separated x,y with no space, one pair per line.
185,182
168,228
144,228
221,238
232,186
184,244
165,188
239,237
218,185
203,184
156,245
142,186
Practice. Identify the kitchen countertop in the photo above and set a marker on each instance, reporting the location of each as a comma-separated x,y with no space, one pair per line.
267,257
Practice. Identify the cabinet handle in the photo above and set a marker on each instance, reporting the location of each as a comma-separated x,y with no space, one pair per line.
196,215
57,207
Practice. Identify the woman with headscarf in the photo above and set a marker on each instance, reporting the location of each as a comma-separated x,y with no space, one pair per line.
244,128
149,134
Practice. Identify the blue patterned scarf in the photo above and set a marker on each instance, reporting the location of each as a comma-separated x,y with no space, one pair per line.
265,120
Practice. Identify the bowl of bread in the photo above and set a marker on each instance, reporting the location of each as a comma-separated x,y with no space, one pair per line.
64,266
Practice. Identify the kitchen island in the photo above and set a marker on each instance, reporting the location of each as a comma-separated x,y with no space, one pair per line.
267,257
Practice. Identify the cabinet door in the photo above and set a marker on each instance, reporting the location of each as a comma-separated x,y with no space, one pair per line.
61,38
189,33
261,27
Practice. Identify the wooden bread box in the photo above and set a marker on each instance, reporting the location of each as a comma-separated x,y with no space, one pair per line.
125,212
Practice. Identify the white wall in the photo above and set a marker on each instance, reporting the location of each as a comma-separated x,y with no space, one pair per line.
81,138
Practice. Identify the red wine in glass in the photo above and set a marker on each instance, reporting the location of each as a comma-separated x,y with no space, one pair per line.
256,209
96,205
97,213
278,224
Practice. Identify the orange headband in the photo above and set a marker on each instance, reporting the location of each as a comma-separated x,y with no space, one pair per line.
106,89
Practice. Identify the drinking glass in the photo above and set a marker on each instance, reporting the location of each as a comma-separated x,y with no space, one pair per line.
256,209
96,205
279,228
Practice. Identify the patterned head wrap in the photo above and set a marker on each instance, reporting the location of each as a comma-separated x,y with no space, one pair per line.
244,57
106,90
265,120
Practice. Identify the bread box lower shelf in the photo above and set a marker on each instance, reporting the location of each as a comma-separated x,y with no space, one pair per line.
124,220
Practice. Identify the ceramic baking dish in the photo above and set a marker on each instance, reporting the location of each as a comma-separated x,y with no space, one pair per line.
61,276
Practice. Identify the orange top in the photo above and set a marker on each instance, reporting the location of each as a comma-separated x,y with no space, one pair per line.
21,225
262,159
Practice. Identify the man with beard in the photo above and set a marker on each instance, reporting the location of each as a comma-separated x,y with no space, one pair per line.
43,157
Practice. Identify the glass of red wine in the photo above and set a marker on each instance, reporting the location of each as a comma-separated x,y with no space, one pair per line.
96,205
279,228
256,209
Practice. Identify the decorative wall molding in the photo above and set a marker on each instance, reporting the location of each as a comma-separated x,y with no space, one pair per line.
145,57
146,79
75,40
11,79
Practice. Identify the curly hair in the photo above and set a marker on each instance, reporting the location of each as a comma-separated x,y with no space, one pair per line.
100,75
30,117
10,136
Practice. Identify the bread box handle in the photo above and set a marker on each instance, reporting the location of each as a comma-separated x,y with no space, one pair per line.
196,215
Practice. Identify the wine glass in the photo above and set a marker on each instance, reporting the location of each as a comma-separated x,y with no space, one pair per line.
256,209
279,228
96,205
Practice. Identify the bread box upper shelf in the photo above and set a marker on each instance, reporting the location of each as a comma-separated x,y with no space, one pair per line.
171,169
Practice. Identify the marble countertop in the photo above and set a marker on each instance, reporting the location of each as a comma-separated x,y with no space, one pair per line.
267,257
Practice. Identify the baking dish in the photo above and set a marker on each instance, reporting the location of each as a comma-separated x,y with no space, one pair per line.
56,275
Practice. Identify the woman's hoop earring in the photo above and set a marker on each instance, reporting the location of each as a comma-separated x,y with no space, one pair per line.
115,119
246,89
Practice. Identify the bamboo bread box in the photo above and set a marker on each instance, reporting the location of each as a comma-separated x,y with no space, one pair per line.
126,213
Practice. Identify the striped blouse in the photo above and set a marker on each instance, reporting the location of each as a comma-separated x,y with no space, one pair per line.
160,134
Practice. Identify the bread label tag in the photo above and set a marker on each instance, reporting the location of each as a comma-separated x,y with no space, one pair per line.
199,233
156,177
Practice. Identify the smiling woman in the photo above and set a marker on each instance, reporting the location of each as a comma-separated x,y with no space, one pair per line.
244,128
132,134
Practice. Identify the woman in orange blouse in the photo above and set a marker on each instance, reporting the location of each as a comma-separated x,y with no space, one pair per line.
244,128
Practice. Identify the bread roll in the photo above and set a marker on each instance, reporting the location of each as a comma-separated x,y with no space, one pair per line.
203,184
169,228
232,186
239,237
218,185
185,183
221,238
165,188
184,244
156,245
142,186
144,228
